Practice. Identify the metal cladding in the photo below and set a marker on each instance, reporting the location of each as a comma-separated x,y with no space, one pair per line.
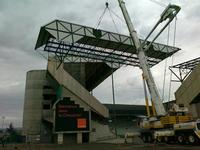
76,43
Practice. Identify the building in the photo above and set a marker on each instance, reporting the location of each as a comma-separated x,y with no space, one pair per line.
43,93
188,93
46,88
58,105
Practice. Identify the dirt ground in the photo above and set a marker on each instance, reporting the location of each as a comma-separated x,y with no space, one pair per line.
100,146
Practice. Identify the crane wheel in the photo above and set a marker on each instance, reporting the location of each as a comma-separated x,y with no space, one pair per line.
192,139
180,139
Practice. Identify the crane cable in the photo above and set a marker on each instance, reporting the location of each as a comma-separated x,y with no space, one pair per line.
172,60
102,15
111,14
174,44
112,76
118,16
113,21
165,68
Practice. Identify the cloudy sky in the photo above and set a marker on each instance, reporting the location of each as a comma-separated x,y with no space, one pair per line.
22,19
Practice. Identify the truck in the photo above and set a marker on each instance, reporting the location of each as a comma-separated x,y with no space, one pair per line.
176,125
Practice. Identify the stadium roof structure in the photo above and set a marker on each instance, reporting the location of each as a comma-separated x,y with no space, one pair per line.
71,42
184,69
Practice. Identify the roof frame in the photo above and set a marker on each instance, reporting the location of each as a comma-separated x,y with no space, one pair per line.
69,42
181,71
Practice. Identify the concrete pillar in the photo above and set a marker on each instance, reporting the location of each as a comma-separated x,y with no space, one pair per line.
60,138
79,138
194,110
92,136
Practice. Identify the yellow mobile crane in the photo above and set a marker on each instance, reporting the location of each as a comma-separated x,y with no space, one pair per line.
175,125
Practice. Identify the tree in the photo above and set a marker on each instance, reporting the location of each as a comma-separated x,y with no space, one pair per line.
12,133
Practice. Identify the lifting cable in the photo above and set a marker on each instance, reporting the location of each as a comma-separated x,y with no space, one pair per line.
112,70
165,68
117,16
113,21
111,14
174,44
102,15
174,40
168,38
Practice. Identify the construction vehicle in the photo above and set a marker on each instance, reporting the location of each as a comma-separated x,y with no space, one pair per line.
176,125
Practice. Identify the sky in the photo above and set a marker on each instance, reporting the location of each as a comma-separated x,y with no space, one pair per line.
20,24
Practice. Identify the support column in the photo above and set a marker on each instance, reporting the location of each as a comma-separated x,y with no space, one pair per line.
79,138
60,138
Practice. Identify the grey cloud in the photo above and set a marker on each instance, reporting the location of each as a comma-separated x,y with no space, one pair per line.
11,103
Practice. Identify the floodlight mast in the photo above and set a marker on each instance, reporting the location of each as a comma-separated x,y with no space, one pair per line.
160,110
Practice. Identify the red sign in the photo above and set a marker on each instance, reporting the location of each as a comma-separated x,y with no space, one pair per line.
81,123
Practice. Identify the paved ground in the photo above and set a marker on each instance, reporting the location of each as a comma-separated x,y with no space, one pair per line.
101,146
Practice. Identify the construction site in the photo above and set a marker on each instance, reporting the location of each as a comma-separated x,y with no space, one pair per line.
61,111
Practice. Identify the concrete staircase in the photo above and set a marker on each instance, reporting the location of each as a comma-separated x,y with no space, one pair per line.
75,90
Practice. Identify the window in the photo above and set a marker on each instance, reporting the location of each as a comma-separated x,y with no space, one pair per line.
46,96
198,125
46,106
47,87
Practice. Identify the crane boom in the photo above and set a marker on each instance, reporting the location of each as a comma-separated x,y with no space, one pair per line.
160,110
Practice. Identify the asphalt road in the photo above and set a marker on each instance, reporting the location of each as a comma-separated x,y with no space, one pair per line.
100,147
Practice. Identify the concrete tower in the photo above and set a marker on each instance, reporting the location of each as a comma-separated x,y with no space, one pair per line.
33,103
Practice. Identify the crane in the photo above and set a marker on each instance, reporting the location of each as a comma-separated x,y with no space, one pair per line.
175,125
171,11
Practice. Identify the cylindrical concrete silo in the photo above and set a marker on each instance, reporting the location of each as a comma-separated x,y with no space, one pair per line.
32,115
